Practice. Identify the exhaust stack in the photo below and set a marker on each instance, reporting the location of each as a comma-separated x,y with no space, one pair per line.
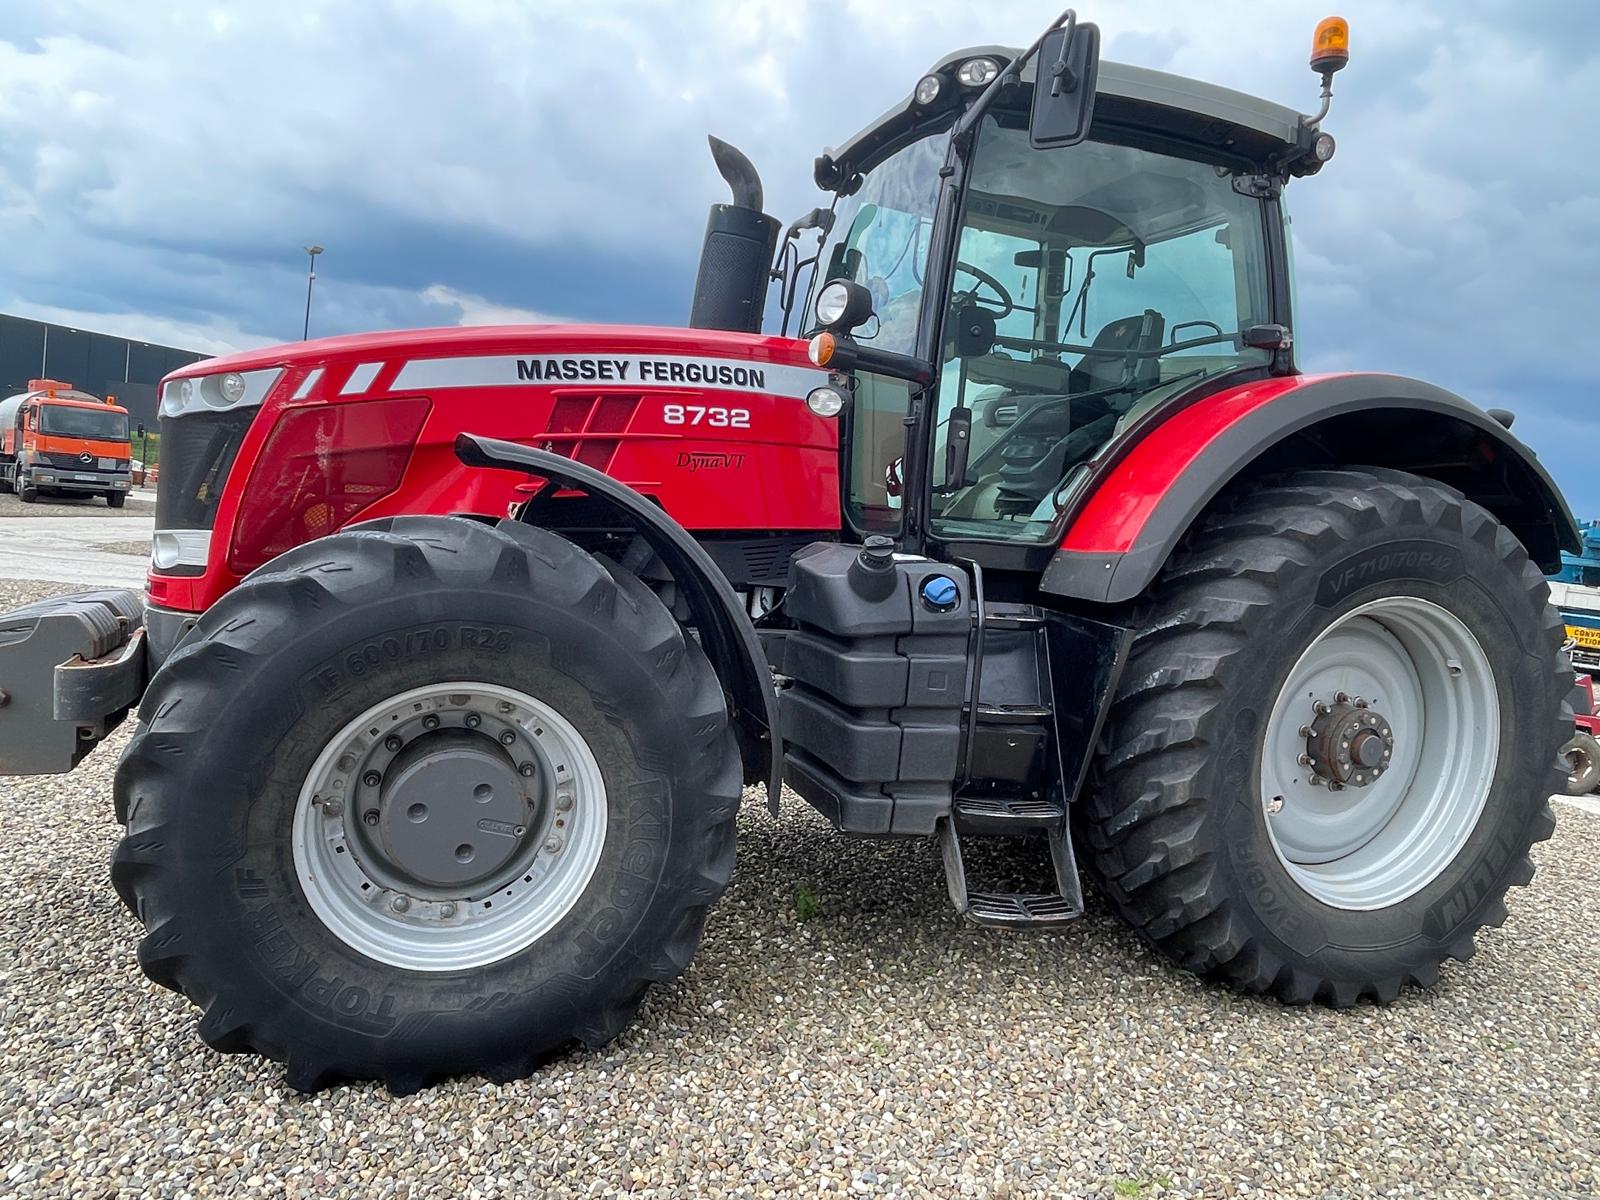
736,259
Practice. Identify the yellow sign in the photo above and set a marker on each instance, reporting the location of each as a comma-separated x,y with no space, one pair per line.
1589,639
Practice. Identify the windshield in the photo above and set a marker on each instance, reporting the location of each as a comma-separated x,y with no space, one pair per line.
106,424
1092,283
880,239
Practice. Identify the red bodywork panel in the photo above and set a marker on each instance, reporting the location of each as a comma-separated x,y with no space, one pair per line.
716,431
1113,517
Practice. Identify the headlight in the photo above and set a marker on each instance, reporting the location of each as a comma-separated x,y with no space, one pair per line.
976,72
927,89
842,304
825,401
832,301
232,387
214,393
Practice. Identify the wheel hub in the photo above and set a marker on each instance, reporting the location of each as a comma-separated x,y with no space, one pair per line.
1348,743
449,826
453,809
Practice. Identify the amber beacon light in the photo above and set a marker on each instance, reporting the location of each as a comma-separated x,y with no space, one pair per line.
1330,45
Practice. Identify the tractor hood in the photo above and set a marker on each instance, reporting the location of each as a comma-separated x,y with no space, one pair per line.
575,353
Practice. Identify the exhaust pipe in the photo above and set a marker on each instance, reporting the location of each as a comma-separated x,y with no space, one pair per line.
730,289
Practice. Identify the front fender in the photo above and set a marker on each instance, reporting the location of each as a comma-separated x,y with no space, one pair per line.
726,634
1144,504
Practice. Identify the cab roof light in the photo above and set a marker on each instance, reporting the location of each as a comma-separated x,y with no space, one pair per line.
1330,45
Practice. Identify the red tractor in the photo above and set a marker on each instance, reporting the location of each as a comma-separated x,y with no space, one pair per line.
461,645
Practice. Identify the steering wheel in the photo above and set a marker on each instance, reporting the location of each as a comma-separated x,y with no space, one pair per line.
1007,304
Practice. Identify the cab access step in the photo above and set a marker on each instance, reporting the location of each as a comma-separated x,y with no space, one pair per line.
997,817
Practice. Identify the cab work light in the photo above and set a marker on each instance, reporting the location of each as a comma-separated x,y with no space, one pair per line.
321,466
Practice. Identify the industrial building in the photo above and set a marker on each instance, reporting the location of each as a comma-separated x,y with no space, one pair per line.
98,363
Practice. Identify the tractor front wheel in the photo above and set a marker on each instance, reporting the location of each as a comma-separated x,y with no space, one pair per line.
426,798
1335,739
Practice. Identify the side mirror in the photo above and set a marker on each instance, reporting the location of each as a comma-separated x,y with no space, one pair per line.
1064,90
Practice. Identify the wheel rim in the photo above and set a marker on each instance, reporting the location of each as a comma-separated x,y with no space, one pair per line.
450,826
1380,752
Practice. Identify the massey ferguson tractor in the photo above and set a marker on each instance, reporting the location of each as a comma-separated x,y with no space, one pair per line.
460,646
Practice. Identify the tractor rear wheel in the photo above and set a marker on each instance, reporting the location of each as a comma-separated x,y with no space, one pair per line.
1335,739
424,798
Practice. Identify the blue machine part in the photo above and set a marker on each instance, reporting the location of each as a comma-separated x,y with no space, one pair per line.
1583,568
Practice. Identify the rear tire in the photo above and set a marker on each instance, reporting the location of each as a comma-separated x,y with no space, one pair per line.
1582,758
243,716
116,499
1181,833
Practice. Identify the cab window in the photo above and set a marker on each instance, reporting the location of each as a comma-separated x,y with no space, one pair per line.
1092,283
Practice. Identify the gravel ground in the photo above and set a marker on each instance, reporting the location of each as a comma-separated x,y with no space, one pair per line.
69,506
879,1047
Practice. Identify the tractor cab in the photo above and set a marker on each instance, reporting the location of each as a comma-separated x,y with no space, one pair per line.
1011,302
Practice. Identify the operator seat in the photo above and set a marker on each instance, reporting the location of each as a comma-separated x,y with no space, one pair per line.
1103,366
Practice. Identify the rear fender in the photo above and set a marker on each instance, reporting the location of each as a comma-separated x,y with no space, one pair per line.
1144,505
725,631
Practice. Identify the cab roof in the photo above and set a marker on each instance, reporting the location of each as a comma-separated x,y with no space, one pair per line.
1236,129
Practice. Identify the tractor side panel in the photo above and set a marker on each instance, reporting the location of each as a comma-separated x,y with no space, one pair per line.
712,428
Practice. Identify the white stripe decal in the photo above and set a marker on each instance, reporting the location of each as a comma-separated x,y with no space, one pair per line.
306,384
614,370
360,379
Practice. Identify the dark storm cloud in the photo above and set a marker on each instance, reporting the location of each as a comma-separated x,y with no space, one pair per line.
160,166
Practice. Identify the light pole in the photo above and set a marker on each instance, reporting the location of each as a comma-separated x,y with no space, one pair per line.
311,278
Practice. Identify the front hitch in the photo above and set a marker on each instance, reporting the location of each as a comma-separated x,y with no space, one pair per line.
70,669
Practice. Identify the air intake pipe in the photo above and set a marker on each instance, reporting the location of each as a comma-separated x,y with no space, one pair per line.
730,290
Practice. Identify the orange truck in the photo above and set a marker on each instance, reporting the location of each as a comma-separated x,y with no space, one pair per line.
55,439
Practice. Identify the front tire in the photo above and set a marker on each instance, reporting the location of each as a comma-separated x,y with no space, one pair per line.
324,920
116,499
1365,628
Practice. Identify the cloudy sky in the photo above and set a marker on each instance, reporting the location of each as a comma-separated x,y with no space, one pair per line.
162,162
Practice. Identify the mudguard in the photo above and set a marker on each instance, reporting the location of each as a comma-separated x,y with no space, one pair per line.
1148,498
726,634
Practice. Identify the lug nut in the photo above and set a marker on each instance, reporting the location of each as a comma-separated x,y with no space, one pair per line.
331,807
552,844
507,738
1305,760
430,722
1304,731
519,830
1320,707
393,742
346,763
370,816
563,803
372,779
1361,702
1341,697
447,909
473,720
1317,781
525,769
399,904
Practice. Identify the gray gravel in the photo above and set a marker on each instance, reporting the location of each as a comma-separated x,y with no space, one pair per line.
880,1047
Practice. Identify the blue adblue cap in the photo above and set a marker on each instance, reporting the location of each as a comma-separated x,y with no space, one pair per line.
939,592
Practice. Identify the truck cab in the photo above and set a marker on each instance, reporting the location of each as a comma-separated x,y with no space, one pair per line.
57,440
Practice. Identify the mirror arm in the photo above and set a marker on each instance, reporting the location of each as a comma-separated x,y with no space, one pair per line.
1012,72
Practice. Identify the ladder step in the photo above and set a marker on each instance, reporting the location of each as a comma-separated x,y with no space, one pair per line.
1001,815
1014,910
1017,909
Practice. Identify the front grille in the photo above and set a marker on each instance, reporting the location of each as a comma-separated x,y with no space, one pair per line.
197,452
